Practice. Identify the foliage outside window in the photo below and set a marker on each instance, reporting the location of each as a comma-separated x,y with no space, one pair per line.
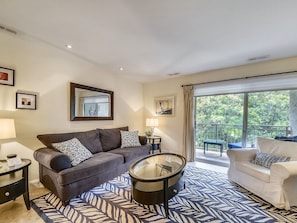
222,116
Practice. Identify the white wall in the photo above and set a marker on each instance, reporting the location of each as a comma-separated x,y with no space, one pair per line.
47,71
171,128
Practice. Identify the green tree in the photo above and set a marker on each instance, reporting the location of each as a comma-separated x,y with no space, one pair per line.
265,110
269,108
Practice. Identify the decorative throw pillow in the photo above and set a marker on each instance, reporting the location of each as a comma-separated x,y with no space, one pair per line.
266,160
74,149
129,139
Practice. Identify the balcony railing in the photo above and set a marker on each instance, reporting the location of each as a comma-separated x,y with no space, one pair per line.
233,133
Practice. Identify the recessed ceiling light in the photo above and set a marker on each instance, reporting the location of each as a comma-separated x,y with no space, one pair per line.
121,68
69,46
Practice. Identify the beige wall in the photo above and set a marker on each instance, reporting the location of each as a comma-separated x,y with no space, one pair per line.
47,71
171,128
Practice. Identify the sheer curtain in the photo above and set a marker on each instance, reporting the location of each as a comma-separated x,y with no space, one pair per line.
188,134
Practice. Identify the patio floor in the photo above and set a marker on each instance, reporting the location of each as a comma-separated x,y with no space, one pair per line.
212,157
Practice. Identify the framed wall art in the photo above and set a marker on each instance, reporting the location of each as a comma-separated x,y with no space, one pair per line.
25,101
6,76
164,106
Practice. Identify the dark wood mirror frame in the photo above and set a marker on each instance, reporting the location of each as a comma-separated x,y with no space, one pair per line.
73,105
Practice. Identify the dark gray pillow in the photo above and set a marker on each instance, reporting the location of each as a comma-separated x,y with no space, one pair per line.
266,160
90,139
61,162
111,138
143,140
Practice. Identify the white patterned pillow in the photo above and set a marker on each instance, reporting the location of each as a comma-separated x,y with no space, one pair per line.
129,139
266,160
74,149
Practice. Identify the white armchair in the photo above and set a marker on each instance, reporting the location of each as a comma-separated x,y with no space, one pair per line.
277,184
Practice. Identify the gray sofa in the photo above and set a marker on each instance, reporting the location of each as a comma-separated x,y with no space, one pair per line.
108,161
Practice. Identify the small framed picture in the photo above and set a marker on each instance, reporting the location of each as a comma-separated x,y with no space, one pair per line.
6,76
164,106
25,101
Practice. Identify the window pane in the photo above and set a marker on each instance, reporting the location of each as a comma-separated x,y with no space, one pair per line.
219,117
268,114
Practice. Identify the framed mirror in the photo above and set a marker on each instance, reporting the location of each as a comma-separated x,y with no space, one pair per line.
90,103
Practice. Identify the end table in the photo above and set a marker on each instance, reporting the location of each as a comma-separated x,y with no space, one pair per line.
12,184
155,141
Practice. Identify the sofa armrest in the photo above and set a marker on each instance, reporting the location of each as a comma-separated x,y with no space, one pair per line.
143,140
283,170
241,154
52,159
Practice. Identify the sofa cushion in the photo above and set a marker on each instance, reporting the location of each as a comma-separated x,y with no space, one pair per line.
111,138
90,139
92,168
74,149
266,160
277,147
129,139
132,153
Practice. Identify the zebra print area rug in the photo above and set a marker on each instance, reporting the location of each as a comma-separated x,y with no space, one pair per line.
209,197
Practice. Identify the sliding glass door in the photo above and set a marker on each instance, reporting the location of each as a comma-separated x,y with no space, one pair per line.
218,117
238,119
268,114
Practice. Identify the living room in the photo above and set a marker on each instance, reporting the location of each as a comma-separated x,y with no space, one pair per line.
46,71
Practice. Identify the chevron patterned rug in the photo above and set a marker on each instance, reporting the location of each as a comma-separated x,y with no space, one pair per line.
209,197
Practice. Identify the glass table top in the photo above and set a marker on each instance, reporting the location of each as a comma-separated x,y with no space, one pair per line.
157,166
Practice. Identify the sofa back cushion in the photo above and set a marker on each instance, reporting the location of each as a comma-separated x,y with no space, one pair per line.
111,138
90,139
277,148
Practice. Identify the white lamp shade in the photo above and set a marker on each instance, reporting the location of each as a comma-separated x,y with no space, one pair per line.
152,122
7,129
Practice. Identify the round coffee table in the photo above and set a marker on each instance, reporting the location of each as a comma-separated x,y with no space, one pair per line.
157,178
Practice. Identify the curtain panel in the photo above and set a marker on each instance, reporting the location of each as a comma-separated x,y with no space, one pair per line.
188,133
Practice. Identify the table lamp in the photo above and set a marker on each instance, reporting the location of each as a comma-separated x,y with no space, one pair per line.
7,130
152,123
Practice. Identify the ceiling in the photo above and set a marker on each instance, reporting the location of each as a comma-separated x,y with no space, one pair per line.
156,39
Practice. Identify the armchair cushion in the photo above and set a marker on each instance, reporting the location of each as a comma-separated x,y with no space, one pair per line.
256,171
